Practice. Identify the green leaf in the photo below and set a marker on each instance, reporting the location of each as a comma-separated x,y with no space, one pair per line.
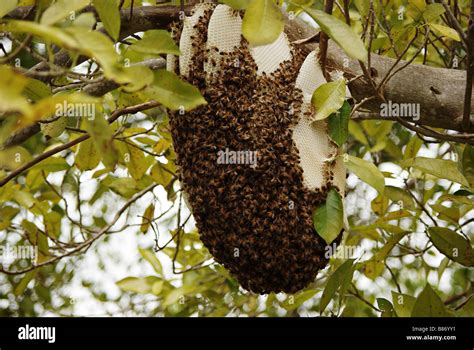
340,32
53,164
468,309
444,169
61,9
135,160
136,78
20,288
358,132
97,45
380,205
125,187
468,164
453,245
338,124
147,217
37,239
102,137
335,282
141,285
86,20
174,93
6,6
161,174
412,148
6,215
25,199
294,302
150,256
398,195
442,267
328,218
296,6
445,31
161,146
176,294
451,214
51,34
14,157
109,14
387,248
87,42
52,223
237,4
429,304
12,85
433,11
155,42
374,267
386,307
403,304
36,90
263,22
55,128
366,171
157,287
328,98
362,6
87,157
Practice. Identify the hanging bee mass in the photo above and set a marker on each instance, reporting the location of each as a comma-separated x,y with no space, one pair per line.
255,220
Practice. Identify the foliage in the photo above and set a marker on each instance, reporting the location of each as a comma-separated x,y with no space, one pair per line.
106,173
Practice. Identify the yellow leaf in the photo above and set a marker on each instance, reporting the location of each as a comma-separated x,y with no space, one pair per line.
263,22
328,99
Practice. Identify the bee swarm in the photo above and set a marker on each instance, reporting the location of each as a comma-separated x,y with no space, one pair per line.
255,221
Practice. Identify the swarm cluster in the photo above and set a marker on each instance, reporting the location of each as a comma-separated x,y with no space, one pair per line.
256,221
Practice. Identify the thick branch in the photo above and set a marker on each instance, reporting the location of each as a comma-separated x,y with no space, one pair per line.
142,19
466,121
438,91
118,113
96,89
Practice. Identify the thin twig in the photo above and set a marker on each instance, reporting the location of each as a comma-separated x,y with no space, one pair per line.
323,43
113,117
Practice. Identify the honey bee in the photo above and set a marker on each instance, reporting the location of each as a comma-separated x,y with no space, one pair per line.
237,206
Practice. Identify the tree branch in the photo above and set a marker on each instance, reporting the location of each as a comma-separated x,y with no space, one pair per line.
438,91
96,89
466,120
87,243
323,43
144,18
117,113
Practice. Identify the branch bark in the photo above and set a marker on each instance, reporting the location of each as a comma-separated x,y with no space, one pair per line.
323,42
96,89
466,121
439,91
115,115
143,18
